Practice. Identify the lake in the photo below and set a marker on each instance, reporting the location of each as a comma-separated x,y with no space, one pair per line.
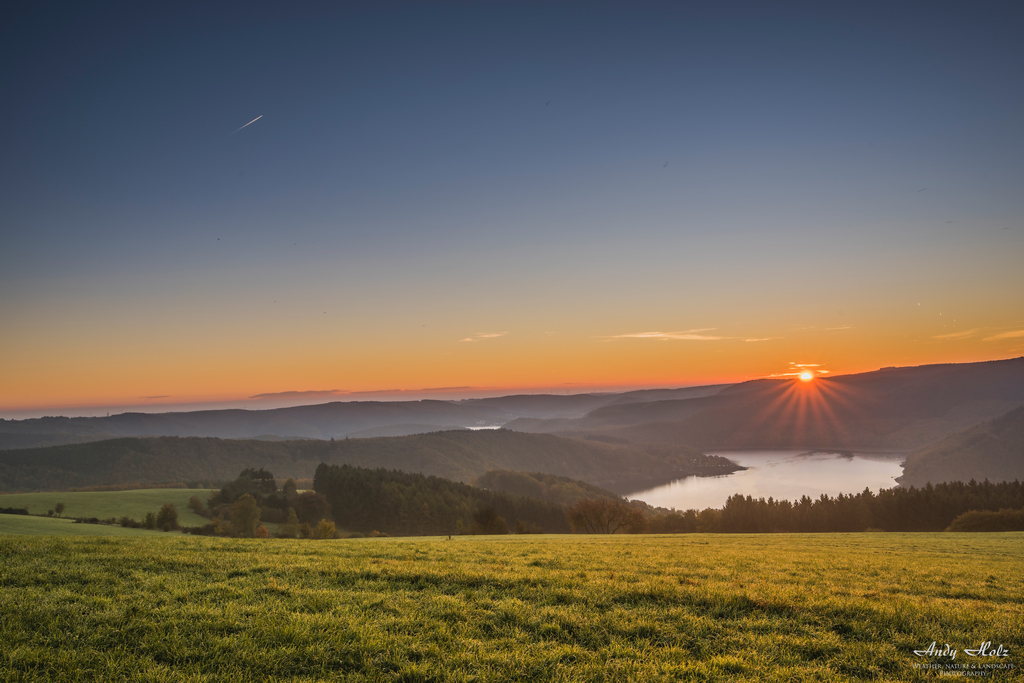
783,475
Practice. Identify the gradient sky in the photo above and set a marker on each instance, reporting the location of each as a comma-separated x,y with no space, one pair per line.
501,195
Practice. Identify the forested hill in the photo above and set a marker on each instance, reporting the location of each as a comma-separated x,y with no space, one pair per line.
399,503
460,455
993,450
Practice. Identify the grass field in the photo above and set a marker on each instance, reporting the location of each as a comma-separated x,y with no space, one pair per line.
106,504
828,607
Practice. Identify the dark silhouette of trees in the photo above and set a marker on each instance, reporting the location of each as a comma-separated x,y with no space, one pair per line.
932,508
605,516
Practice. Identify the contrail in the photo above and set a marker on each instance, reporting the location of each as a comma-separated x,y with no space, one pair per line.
248,124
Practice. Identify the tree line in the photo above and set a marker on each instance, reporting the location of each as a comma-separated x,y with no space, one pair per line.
931,508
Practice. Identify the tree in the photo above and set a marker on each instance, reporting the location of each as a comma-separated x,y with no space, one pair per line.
606,516
245,516
290,488
59,509
150,521
167,518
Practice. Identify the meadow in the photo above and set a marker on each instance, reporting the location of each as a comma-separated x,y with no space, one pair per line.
134,503
775,607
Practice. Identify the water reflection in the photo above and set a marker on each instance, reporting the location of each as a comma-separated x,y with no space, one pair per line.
783,475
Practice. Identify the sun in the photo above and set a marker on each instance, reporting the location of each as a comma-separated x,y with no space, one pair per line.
806,376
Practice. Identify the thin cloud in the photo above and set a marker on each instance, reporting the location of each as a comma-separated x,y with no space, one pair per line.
483,335
163,396
957,335
841,327
1013,334
687,335
757,339
324,393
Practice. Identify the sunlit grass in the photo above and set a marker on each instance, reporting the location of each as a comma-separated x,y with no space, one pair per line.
770,607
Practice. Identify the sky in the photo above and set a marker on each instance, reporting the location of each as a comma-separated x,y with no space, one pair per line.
453,199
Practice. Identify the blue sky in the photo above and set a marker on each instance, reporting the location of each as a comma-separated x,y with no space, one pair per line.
582,169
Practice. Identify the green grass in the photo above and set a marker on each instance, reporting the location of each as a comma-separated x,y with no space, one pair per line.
827,607
106,504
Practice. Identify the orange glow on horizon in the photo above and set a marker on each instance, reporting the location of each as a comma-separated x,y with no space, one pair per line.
806,376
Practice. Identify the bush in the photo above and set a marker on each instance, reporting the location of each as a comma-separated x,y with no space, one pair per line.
261,531
150,521
128,522
305,531
987,520
325,529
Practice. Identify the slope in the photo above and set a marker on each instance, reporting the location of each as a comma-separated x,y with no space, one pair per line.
992,450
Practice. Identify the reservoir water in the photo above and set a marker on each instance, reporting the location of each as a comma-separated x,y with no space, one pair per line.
783,475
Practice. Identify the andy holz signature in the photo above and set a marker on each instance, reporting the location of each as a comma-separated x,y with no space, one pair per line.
984,650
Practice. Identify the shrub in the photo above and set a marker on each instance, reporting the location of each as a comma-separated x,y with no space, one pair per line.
325,529
128,522
261,531
150,521
988,520
305,531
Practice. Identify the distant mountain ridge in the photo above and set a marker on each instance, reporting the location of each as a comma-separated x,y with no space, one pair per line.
324,421
890,409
